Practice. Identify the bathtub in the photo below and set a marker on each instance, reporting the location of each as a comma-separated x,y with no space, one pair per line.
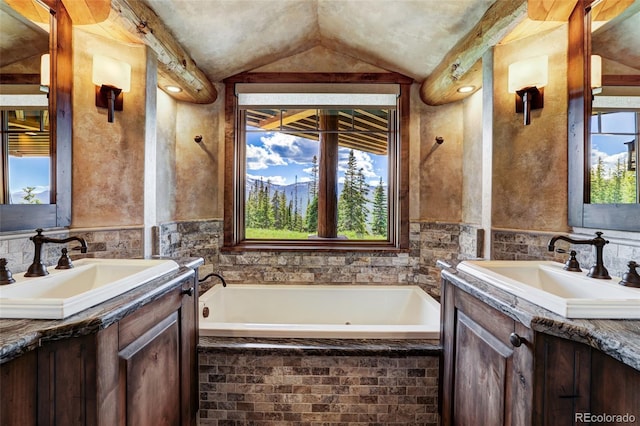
319,311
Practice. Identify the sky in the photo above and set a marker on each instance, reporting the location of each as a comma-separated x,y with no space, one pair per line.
29,171
611,148
281,157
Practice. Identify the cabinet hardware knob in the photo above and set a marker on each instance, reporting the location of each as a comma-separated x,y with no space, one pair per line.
516,340
188,291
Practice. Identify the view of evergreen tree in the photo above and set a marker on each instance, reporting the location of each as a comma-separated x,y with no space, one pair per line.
274,207
311,219
379,219
352,205
615,186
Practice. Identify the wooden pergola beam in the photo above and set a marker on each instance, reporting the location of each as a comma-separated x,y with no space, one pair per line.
463,63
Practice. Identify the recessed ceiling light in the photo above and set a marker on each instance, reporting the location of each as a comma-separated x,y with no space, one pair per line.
466,89
173,89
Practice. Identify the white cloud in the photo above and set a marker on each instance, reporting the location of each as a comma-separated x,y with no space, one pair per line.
609,162
291,148
363,161
259,158
276,180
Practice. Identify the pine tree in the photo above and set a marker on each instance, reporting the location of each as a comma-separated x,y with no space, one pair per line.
379,219
29,196
361,204
313,185
311,218
346,204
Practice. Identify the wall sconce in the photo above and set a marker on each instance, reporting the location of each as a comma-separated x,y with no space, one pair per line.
45,72
596,74
631,158
527,79
112,78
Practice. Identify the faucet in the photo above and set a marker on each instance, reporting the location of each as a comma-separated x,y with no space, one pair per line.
598,270
213,274
37,268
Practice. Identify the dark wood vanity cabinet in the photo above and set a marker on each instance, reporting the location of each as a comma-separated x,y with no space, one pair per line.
141,370
496,371
486,379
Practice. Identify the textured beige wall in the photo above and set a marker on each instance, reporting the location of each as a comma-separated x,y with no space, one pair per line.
166,187
108,158
199,188
530,162
472,166
441,165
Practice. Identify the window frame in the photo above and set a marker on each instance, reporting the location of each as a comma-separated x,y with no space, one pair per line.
234,192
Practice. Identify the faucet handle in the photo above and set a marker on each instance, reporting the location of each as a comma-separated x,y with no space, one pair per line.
631,278
64,262
5,274
572,264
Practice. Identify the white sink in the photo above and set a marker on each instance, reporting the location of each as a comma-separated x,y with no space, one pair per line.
570,294
65,292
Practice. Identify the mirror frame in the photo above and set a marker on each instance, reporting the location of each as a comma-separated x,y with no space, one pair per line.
18,217
621,217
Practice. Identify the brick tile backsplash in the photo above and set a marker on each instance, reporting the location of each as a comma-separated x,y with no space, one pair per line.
246,389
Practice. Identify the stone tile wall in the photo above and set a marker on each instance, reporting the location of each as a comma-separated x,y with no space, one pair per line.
428,243
298,389
522,245
105,243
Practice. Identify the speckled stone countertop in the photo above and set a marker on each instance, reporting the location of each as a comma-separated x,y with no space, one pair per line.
617,338
335,347
18,336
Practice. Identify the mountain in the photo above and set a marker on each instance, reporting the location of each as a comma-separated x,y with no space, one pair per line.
17,197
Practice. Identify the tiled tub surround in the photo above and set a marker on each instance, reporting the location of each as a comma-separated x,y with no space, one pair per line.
317,382
428,242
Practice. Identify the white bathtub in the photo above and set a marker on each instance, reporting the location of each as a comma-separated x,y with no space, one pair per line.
319,311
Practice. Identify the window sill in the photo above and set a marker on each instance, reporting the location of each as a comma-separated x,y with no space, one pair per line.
316,245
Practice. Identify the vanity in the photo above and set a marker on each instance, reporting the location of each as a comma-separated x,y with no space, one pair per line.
130,360
508,361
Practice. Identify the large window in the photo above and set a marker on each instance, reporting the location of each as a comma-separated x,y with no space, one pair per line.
316,163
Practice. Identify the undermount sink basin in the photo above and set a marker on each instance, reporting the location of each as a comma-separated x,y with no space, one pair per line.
66,292
570,294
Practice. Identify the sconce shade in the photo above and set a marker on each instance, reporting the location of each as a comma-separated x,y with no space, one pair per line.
531,72
45,70
596,71
111,72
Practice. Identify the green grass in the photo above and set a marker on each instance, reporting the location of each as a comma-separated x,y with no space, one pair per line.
282,234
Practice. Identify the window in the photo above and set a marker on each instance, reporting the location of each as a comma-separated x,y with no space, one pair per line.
614,171
26,156
318,160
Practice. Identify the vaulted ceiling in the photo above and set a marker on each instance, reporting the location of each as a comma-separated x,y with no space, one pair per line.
407,36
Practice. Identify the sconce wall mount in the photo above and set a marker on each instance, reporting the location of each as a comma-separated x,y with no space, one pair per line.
527,79
111,78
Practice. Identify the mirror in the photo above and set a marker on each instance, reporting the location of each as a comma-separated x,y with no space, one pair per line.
15,217
615,110
603,123
24,109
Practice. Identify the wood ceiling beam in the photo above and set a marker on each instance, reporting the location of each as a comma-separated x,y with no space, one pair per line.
463,64
174,63
287,118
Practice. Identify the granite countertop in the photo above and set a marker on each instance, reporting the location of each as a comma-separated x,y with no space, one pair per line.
18,336
618,338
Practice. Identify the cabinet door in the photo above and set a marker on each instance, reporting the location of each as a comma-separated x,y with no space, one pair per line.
489,380
150,375
157,362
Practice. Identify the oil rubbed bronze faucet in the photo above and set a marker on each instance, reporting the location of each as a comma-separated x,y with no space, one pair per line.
598,270
213,274
37,268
